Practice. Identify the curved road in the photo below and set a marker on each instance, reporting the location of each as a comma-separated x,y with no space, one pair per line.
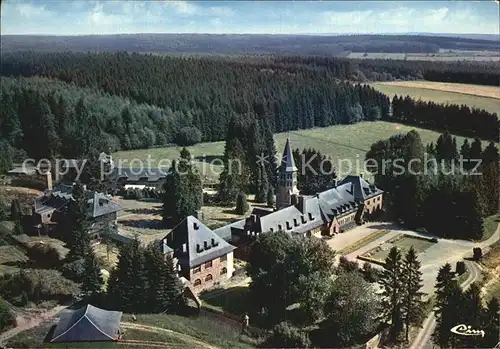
423,340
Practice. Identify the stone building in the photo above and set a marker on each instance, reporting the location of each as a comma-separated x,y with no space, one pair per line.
330,212
203,258
50,208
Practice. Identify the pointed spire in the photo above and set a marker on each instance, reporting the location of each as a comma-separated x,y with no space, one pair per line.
287,162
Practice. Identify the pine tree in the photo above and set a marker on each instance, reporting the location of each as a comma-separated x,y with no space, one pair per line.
15,210
164,287
491,322
92,281
392,295
262,186
448,294
490,169
128,282
173,287
183,190
241,204
270,197
413,305
77,224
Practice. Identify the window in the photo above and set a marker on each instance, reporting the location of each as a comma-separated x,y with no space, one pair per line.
223,271
223,258
197,269
208,264
197,282
209,277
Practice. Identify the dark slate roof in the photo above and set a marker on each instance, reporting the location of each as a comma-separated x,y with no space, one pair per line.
135,174
317,210
196,235
362,189
87,324
287,161
98,203
23,170
225,232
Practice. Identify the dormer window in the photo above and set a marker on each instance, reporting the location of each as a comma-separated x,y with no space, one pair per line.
195,226
288,225
310,216
295,222
271,230
303,219
199,248
280,227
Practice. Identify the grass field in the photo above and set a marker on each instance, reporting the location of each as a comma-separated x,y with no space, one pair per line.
402,242
477,90
186,330
341,142
429,93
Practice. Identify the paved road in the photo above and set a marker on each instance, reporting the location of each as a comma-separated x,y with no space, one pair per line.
423,340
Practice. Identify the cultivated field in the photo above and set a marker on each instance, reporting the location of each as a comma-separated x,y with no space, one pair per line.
442,56
430,94
344,143
476,90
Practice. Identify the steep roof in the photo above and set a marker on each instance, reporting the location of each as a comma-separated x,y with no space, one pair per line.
201,243
98,204
317,210
225,232
361,188
87,324
287,161
135,174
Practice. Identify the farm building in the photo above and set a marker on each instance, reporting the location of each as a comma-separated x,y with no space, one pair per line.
87,324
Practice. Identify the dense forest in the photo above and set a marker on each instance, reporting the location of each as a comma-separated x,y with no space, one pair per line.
199,93
244,43
115,101
458,119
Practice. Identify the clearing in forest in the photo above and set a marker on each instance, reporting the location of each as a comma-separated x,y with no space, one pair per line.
472,95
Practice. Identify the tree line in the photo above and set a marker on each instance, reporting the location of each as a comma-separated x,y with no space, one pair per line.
436,191
243,43
458,119
333,306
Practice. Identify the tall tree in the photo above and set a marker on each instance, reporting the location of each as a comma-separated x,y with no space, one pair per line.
77,225
92,282
241,204
392,295
183,189
413,305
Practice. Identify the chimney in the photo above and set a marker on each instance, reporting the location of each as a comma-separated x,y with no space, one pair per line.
301,205
184,248
48,176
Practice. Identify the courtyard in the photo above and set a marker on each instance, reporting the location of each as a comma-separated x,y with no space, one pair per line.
402,242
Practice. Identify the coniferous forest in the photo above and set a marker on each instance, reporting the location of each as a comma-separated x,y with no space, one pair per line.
130,101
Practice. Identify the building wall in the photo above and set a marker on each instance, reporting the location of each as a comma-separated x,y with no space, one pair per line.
215,270
373,203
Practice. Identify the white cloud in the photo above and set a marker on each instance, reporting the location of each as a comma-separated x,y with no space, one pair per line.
182,7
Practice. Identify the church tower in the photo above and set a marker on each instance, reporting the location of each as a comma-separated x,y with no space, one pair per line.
287,179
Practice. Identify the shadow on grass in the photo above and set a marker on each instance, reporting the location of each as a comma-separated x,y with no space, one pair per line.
232,300
155,211
143,223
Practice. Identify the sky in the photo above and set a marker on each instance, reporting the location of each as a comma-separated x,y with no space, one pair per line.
78,17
